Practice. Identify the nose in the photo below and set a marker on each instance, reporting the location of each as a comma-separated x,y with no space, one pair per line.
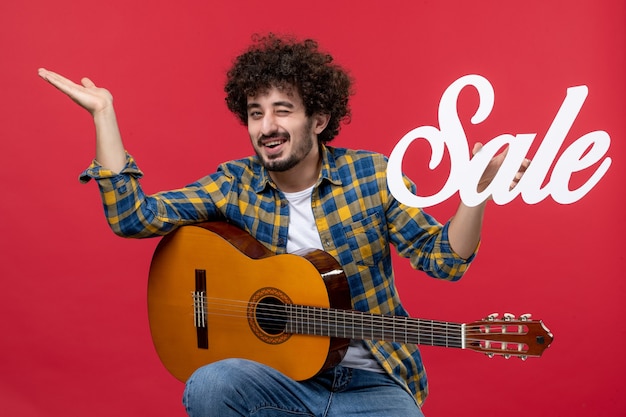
268,124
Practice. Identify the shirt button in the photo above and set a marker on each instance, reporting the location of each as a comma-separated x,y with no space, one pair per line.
327,243
281,241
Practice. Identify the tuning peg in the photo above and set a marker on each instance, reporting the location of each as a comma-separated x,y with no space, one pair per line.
490,354
508,317
492,317
507,356
525,317
523,357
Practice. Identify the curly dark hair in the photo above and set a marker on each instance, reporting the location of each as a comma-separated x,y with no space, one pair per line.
283,62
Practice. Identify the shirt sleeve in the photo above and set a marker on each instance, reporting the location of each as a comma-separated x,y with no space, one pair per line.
98,172
421,238
132,213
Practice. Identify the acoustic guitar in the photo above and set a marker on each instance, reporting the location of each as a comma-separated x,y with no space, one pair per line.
214,292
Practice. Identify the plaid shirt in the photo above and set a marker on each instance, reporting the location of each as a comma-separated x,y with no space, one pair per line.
356,216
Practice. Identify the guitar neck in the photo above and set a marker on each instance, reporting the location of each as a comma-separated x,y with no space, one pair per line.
350,324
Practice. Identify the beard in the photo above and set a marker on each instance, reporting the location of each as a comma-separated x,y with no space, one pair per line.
303,148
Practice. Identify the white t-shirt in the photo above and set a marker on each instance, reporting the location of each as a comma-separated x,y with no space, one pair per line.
303,234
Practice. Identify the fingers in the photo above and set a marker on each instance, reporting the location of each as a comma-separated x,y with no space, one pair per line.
43,73
85,94
87,83
523,167
506,151
52,77
477,147
58,81
520,173
64,84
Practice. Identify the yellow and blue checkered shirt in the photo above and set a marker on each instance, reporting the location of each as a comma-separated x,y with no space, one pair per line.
356,216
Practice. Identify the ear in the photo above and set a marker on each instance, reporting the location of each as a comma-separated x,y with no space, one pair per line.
320,121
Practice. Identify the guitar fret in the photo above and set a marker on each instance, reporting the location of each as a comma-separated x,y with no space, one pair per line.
406,330
299,316
419,335
329,322
319,323
352,328
444,342
328,319
383,335
432,333
358,324
362,325
308,322
289,323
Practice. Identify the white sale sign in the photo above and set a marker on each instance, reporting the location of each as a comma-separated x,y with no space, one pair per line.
465,170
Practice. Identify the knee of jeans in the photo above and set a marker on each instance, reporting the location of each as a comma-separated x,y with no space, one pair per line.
208,386
218,378
214,373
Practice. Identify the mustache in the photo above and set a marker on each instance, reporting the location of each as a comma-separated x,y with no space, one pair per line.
283,135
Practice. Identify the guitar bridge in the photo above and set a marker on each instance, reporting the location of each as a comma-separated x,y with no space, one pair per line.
200,310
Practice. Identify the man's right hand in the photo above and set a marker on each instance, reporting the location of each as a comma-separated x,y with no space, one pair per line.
87,95
110,151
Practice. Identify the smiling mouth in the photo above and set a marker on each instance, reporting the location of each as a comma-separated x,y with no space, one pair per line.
272,142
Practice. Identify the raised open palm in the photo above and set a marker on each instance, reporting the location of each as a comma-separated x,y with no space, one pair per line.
87,95
99,102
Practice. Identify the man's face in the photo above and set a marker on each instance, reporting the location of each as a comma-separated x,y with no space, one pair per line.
281,133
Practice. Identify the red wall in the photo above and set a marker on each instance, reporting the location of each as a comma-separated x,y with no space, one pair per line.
73,321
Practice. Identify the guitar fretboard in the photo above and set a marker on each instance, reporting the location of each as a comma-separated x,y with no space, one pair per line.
351,324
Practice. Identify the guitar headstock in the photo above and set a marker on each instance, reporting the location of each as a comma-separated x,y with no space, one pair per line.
508,336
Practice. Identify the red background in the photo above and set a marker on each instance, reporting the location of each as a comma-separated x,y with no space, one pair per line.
73,322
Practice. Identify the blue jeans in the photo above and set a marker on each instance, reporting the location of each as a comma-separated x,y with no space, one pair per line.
238,387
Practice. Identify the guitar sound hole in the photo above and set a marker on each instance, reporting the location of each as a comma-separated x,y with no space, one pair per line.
271,316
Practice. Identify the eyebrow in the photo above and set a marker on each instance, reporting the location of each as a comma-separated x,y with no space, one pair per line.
288,104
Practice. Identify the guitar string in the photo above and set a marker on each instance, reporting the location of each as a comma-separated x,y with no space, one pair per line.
335,319
279,310
434,338
328,318
437,338
280,313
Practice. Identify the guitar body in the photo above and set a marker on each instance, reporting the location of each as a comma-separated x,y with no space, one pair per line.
238,272
214,293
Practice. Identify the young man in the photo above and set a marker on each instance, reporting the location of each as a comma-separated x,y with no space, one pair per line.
296,192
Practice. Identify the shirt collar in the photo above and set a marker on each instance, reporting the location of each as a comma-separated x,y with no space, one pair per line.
329,169
328,172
